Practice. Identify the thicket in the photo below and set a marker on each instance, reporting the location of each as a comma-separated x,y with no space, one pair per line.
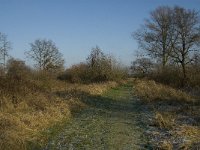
98,67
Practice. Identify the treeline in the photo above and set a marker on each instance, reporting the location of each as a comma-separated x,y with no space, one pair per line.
169,44
49,62
43,53
97,68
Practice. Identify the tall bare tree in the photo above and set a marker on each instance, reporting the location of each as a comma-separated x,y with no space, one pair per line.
4,48
156,35
186,23
46,55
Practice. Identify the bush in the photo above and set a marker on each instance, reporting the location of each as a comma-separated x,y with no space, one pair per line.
142,67
194,76
75,74
17,69
169,76
98,68
82,73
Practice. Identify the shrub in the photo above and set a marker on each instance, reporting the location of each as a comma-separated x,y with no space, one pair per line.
169,75
98,68
142,67
75,74
17,69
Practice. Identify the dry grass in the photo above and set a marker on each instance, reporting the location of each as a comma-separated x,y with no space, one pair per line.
32,115
150,91
164,120
96,89
174,119
165,145
27,111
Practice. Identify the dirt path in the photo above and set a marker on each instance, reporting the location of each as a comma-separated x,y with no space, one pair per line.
113,121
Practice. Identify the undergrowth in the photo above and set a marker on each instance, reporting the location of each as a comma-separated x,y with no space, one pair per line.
174,122
30,106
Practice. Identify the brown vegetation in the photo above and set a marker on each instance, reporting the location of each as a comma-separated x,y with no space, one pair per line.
32,101
29,105
170,69
174,122
98,68
150,91
170,37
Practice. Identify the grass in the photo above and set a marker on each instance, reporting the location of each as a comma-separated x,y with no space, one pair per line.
30,107
149,90
111,121
47,134
165,121
174,121
23,123
33,112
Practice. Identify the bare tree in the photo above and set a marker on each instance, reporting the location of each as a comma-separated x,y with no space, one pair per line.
142,66
186,23
103,67
95,57
4,48
46,55
156,35
99,64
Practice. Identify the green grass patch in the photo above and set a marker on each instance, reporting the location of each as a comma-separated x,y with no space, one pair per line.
47,135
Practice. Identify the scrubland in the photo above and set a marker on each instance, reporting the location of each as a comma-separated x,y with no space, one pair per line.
29,106
173,115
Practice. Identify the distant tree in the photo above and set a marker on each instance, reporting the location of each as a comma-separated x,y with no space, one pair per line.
17,69
142,66
99,65
46,55
102,67
4,48
156,35
186,23
95,57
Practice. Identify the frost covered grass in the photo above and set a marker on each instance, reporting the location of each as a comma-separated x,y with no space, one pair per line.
174,122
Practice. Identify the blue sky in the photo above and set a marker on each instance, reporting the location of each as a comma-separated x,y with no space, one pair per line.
78,25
